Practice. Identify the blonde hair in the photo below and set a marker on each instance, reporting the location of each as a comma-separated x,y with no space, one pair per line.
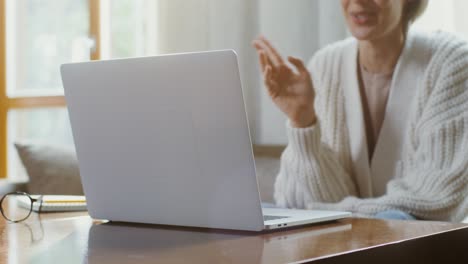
414,9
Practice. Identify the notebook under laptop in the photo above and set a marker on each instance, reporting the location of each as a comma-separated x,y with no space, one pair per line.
165,140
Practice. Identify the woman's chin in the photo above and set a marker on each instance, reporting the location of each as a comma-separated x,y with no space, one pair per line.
363,34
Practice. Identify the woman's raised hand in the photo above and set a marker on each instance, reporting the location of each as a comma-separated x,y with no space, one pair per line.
292,91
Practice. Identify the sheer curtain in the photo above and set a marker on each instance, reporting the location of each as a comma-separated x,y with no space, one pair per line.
297,28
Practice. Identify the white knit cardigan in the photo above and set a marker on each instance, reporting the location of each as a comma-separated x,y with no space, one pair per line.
420,163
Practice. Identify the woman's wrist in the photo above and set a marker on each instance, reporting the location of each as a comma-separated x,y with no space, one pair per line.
303,123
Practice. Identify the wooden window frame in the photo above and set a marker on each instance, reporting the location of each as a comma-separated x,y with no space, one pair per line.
31,102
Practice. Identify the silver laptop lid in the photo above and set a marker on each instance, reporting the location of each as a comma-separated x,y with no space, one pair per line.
164,140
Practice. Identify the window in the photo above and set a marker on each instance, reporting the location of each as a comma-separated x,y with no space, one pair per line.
129,28
37,36
40,35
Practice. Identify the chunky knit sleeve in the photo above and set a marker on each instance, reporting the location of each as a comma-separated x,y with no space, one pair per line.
432,181
310,171
315,166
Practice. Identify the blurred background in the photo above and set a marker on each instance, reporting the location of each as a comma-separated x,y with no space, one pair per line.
36,36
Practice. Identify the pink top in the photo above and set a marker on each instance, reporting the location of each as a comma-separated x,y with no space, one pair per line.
374,93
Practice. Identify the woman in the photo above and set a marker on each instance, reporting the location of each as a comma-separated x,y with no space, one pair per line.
377,123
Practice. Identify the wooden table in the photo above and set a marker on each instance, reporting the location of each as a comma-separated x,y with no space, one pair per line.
76,238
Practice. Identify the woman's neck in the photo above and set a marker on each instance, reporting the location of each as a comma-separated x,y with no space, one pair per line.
381,55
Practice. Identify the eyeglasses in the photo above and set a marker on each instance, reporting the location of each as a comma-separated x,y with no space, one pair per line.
17,206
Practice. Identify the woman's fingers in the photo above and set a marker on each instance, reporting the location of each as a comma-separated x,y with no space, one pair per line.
262,44
301,68
263,60
272,52
268,75
270,83
257,45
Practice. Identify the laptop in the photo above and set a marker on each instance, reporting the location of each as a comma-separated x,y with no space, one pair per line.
165,140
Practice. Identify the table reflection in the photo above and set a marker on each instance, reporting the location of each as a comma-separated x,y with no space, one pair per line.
111,243
126,243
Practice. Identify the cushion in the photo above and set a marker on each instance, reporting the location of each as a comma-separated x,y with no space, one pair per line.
52,169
